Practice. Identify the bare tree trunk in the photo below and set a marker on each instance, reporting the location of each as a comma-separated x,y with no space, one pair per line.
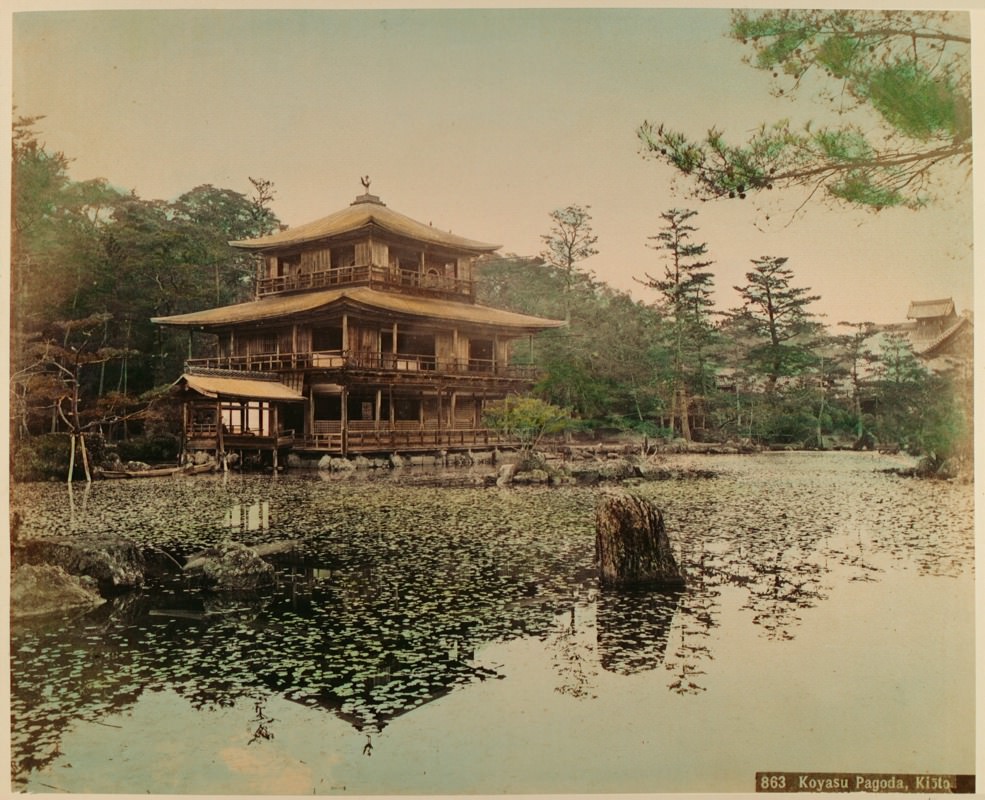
682,404
85,458
71,459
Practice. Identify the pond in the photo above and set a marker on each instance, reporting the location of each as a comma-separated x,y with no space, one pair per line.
429,639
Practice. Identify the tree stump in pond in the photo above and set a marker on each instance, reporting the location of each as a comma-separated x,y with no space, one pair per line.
631,545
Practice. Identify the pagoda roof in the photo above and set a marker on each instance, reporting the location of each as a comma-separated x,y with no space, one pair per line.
280,306
930,309
367,210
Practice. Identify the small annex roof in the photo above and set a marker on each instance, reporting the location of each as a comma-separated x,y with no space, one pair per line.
219,386
930,309
273,307
367,210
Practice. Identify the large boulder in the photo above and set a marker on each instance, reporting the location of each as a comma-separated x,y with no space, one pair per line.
38,589
230,566
114,563
631,545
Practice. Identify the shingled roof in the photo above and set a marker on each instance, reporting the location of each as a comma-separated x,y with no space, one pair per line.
220,386
367,210
273,307
930,309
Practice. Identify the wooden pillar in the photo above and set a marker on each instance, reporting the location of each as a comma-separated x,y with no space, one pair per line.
185,425
451,409
294,345
310,416
379,407
220,445
345,333
345,414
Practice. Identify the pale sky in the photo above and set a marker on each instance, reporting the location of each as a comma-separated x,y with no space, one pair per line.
478,121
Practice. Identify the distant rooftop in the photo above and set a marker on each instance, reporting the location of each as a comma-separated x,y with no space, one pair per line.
930,309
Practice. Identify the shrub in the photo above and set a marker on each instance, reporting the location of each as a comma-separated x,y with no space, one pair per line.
46,457
41,458
526,419
151,449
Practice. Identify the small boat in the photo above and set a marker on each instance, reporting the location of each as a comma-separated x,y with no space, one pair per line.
159,472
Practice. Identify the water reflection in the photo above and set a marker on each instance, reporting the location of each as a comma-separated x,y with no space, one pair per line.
252,517
574,649
633,627
389,598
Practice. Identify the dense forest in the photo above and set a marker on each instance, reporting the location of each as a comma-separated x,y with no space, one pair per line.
91,264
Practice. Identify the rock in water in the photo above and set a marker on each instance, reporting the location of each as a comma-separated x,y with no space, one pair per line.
37,589
231,566
115,563
631,545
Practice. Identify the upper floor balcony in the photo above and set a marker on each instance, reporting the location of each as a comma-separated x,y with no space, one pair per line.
427,283
396,365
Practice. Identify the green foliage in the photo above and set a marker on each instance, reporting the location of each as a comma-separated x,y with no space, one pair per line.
42,458
686,302
570,241
571,238
150,449
916,102
909,70
775,313
601,362
90,261
46,457
526,419
779,381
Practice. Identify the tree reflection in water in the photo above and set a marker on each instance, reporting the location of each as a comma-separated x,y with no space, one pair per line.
633,627
698,612
379,614
574,651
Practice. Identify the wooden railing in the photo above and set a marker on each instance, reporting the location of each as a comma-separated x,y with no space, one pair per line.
368,275
200,430
365,360
359,436
369,437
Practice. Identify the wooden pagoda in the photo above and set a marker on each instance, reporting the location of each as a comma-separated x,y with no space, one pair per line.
364,337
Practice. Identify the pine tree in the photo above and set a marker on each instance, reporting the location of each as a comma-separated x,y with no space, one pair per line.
571,240
776,312
686,289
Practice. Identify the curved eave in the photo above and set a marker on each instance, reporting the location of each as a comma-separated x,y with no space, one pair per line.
284,307
358,217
